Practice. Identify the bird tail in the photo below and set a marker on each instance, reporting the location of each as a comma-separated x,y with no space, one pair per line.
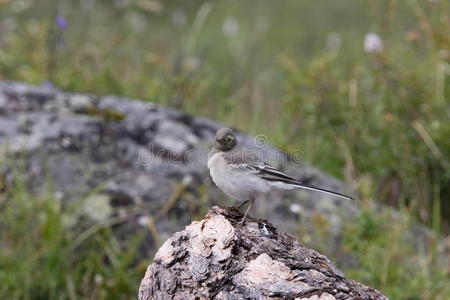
316,189
276,176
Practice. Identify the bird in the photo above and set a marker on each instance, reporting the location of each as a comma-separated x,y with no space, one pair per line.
243,176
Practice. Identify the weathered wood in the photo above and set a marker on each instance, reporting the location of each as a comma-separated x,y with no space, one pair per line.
217,258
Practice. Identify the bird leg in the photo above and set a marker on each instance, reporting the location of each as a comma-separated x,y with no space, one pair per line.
242,204
246,212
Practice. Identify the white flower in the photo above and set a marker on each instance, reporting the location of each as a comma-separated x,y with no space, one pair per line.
295,208
372,43
143,221
230,26
98,279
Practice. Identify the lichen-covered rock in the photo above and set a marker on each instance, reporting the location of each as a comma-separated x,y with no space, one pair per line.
217,258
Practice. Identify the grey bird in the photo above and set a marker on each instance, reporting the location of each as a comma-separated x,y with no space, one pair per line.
243,176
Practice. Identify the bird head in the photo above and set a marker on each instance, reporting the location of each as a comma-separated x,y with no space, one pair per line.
225,139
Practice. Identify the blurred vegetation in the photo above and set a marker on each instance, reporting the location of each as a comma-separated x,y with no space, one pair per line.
42,257
390,261
373,112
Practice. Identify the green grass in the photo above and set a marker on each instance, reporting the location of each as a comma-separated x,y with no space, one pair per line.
389,260
378,121
41,257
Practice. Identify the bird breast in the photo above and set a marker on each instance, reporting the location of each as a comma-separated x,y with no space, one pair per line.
237,183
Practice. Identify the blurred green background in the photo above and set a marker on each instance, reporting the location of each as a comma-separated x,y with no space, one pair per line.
361,87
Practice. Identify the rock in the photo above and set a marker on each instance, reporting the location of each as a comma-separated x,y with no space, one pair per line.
140,161
218,258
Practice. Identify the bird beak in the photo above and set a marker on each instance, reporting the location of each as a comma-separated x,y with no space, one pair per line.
219,140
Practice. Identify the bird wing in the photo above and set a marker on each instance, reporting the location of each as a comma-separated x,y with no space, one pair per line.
243,160
249,162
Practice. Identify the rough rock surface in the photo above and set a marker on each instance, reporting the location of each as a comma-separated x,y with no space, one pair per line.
218,258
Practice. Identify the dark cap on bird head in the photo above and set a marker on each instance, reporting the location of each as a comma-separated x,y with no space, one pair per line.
225,139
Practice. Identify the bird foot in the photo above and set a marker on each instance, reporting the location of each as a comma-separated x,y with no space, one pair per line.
246,211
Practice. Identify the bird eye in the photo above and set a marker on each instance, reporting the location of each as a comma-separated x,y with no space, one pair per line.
229,139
